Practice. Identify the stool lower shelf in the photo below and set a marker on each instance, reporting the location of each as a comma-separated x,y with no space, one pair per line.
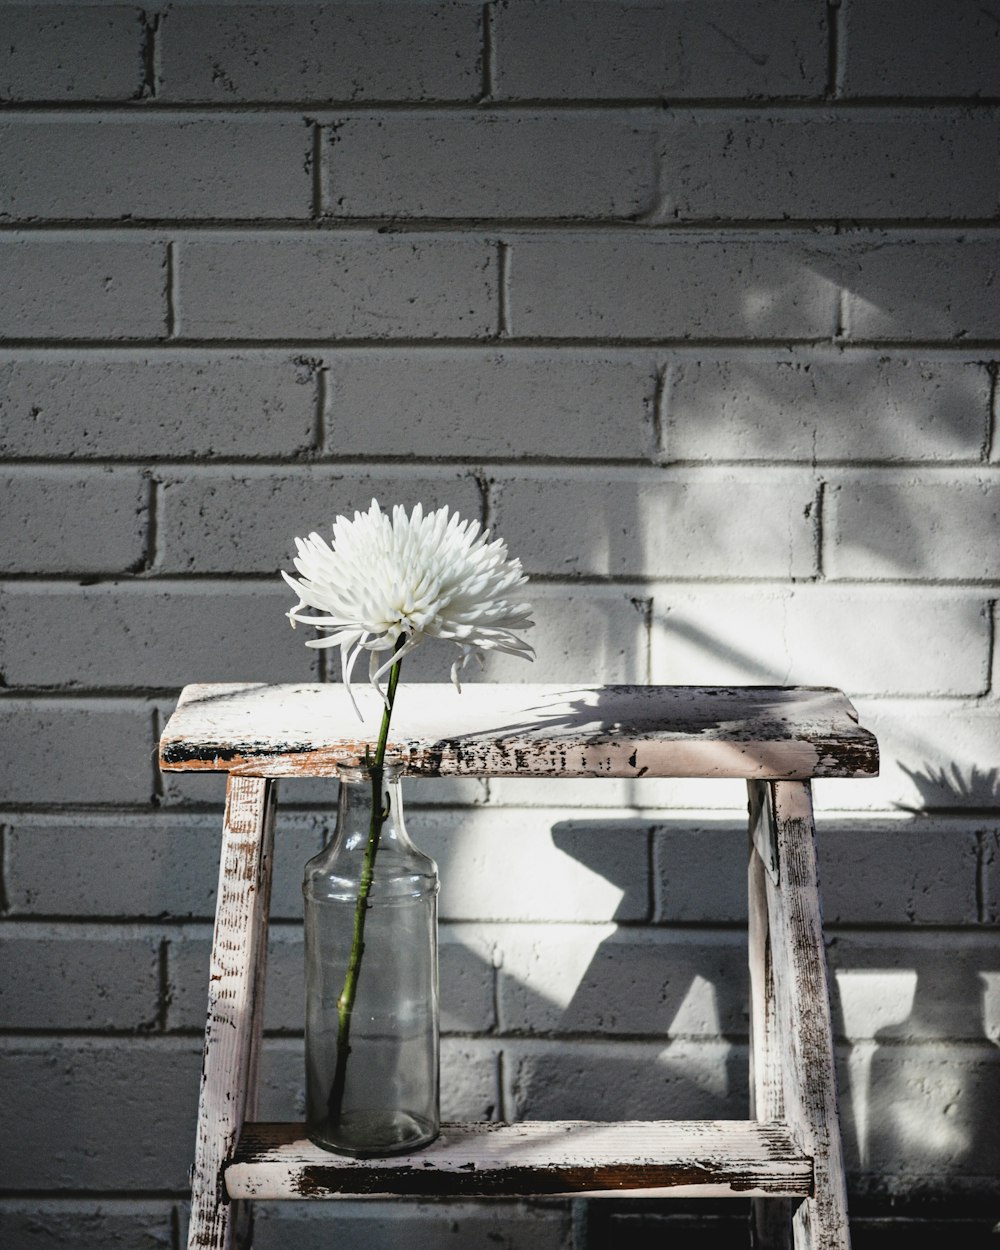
686,1158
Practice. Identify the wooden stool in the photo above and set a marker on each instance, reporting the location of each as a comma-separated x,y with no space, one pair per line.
786,1157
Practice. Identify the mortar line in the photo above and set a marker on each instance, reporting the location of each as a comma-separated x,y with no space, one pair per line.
163,985
981,876
819,531
4,872
690,347
991,643
175,1228
836,50
503,291
489,72
321,416
150,55
318,172
840,328
501,1099
661,388
172,291
992,412
817,103
152,558
485,498
158,792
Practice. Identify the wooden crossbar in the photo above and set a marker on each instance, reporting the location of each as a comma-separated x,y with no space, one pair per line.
687,1158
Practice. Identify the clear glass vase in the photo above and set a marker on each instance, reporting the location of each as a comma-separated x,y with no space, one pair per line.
371,977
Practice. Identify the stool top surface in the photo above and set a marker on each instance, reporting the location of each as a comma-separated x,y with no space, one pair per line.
490,730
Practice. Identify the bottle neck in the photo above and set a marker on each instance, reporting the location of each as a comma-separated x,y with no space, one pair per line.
364,797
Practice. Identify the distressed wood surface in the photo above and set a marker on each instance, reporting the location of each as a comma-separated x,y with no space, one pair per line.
699,1158
769,732
235,1009
771,1220
801,1006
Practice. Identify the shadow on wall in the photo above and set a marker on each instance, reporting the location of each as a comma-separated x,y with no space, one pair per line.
950,786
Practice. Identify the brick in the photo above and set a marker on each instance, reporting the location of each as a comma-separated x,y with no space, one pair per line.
921,48
878,164
605,794
630,286
491,165
885,526
679,1079
466,975
926,1116
74,977
554,866
673,525
320,53
699,871
894,987
208,406
141,866
69,1094
885,874
990,859
594,979
120,169
647,1227
496,1225
240,630
904,288
468,1079
723,49
511,404
595,636
70,289
865,640
203,517
871,871
53,1224
470,1083
61,54
87,522
354,286
936,755
76,752
854,408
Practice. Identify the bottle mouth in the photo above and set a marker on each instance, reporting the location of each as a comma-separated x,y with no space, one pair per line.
354,768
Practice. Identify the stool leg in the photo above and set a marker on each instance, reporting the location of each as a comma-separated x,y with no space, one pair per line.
235,1009
770,1218
801,1006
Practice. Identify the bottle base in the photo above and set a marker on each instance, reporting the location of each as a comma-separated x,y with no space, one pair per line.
369,1134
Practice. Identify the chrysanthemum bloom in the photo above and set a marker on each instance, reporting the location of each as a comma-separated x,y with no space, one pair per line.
408,577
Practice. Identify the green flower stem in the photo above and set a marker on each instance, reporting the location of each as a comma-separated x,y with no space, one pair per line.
345,1003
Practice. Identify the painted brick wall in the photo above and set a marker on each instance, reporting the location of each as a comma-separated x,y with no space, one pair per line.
696,303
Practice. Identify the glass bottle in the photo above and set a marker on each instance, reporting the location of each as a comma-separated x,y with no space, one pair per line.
371,976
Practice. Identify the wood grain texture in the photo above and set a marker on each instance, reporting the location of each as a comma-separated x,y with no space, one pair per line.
770,1220
797,959
770,732
702,1158
235,1008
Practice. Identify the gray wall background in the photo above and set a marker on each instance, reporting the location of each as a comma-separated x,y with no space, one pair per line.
696,304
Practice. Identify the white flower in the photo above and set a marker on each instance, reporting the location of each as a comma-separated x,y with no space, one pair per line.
411,577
